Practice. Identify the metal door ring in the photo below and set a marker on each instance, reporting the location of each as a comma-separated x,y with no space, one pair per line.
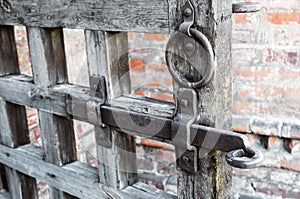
240,158
200,38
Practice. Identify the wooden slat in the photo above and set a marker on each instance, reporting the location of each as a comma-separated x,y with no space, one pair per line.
49,68
108,15
213,180
13,122
107,56
76,178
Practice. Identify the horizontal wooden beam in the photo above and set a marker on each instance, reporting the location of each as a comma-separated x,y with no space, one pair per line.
76,178
73,101
108,15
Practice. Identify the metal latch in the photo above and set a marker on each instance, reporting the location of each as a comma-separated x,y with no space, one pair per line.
191,139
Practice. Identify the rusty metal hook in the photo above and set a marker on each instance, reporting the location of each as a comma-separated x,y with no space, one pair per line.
245,158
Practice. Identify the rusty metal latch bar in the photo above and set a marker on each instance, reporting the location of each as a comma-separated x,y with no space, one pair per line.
191,138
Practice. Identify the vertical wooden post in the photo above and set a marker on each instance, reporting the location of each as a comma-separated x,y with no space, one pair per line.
213,18
108,57
13,122
49,68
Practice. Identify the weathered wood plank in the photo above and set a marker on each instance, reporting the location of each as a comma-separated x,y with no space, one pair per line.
213,180
13,122
49,68
19,89
76,178
108,15
108,57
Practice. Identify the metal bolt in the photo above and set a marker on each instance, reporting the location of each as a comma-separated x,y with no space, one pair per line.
187,12
189,46
185,159
184,102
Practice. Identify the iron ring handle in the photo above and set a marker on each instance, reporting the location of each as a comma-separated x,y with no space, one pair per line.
202,39
245,159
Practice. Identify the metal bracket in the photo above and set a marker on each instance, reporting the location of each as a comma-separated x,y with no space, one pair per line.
90,109
181,129
188,18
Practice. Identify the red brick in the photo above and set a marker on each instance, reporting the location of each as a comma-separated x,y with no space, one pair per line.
140,92
165,155
273,92
273,141
282,57
283,18
162,96
131,35
169,82
145,164
155,37
241,18
251,91
239,106
291,93
289,74
257,73
274,190
246,107
137,65
293,164
158,68
240,125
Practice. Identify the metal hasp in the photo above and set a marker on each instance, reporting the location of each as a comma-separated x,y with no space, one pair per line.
193,141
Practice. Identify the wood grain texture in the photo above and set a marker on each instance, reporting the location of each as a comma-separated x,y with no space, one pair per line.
49,68
75,178
13,122
108,15
108,57
213,180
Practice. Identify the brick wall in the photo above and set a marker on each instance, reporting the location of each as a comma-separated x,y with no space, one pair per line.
266,88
